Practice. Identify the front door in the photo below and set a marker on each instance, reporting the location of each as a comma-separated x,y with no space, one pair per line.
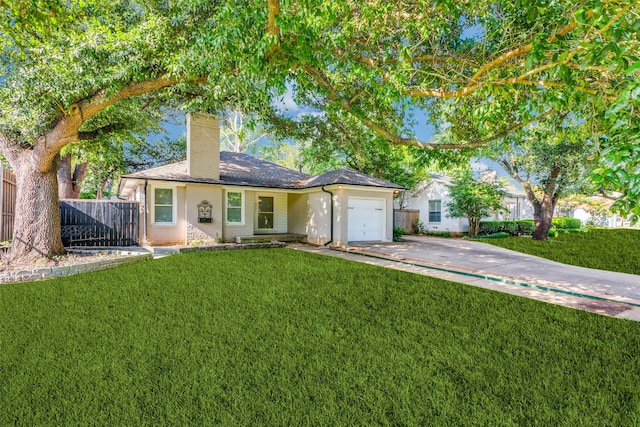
265,214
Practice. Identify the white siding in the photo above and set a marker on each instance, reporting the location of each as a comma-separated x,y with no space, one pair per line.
437,191
318,228
280,202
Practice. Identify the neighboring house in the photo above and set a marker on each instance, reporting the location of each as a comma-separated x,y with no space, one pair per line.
431,199
596,211
222,195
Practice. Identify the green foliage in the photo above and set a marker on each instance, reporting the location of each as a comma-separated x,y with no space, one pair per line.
437,233
398,232
474,199
601,248
524,227
499,235
490,227
575,230
563,223
553,233
418,226
619,152
334,141
207,338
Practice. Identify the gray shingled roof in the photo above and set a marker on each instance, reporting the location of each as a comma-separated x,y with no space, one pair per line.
245,170
348,177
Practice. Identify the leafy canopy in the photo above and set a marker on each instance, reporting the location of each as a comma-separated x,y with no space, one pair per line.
474,199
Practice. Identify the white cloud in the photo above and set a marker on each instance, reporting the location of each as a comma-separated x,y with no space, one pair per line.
286,103
312,113
478,166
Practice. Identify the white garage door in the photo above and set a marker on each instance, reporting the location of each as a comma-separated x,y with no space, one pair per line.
366,219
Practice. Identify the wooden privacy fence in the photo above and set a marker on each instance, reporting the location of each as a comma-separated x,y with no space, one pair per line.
406,219
8,191
99,223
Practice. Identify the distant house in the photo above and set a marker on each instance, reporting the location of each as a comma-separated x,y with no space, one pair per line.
217,195
431,199
594,210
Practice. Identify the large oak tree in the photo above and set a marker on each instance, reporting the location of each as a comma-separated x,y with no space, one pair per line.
69,66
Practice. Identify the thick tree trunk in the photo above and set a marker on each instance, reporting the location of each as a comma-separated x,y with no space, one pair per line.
542,216
37,219
70,180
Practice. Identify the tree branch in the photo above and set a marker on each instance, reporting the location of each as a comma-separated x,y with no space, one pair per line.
88,136
274,10
10,149
524,49
67,130
334,96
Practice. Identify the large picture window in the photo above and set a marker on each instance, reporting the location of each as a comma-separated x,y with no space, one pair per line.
163,205
435,211
235,203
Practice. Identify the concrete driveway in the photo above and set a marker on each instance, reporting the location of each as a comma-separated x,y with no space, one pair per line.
489,266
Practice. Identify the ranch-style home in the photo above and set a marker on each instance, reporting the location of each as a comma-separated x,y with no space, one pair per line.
215,196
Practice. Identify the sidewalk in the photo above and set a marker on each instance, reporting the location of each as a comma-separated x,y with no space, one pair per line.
491,267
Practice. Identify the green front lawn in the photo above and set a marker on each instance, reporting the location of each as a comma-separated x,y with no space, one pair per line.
604,249
279,337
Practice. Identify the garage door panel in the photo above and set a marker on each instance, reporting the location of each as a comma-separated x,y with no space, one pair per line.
365,219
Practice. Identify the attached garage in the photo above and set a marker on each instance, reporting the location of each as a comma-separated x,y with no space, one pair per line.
366,219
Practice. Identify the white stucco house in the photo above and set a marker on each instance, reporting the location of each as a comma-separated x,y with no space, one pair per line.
217,195
595,211
431,199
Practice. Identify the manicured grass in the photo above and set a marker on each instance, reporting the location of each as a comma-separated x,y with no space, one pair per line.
279,337
604,249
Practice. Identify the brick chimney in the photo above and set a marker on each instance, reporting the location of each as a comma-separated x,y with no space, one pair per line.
203,146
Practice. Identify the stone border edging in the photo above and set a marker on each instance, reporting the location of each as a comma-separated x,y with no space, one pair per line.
28,275
159,250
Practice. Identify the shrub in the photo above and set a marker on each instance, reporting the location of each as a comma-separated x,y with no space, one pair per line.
577,230
510,227
564,223
553,232
489,227
417,226
526,227
438,233
398,233
499,235
513,228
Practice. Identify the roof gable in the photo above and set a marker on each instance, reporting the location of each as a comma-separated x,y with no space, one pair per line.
347,177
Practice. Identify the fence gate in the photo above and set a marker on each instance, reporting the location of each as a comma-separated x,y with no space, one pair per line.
8,191
99,223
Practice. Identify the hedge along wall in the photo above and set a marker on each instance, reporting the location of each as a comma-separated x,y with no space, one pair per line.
514,228
525,227
566,223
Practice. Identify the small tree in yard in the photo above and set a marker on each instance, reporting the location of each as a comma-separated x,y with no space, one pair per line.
474,199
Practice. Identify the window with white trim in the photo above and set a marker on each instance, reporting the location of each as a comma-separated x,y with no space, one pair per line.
235,207
435,211
163,206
